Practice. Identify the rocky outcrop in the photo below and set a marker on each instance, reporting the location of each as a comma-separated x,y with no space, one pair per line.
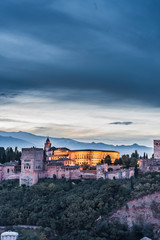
143,210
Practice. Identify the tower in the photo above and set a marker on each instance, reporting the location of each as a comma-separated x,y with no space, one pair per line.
32,165
47,144
157,149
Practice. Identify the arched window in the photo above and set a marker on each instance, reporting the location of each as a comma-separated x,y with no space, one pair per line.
8,170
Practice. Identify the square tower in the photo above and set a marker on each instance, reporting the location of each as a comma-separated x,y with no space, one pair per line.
32,163
157,149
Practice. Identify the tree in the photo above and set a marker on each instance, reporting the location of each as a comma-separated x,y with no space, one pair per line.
133,162
2,155
135,155
118,162
43,236
136,171
132,183
108,160
126,161
85,166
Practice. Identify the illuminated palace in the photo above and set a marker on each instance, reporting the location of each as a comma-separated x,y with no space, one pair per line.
79,157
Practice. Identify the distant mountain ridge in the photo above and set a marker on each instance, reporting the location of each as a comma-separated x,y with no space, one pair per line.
24,139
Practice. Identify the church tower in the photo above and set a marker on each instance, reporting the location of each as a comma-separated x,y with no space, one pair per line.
47,144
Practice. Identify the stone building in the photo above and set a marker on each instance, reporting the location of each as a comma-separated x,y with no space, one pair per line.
9,170
59,170
102,172
86,156
32,165
37,163
92,157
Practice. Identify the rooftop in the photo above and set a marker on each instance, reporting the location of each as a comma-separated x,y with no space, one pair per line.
55,164
64,159
9,233
94,150
72,167
10,164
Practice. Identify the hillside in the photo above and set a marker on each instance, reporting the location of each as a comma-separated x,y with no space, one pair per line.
9,141
144,210
24,139
78,210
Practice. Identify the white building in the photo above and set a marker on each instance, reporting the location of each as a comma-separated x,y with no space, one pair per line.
9,235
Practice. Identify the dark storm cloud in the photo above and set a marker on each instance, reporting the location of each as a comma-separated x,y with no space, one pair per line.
106,46
121,123
7,95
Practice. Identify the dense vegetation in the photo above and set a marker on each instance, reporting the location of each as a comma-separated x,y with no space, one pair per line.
9,155
74,210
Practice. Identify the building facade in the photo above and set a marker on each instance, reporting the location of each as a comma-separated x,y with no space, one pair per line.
90,157
51,162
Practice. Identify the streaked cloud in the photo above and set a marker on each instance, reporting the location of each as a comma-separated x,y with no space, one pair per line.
121,123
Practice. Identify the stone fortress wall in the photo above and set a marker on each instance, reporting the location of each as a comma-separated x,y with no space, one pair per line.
57,163
9,171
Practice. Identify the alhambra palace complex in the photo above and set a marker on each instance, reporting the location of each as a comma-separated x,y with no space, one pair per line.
52,162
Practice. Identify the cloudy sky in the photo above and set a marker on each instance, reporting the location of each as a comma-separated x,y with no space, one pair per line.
82,69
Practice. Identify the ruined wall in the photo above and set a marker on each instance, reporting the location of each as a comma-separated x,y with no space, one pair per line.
72,173
102,172
58,171
120,174
149,165
61,171
8,172
88,174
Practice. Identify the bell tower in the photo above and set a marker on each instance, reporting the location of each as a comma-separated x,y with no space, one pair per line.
47,144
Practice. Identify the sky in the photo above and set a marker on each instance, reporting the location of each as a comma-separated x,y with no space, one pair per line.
82,69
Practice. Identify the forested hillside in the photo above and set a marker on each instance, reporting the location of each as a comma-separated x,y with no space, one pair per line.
74,210
9,155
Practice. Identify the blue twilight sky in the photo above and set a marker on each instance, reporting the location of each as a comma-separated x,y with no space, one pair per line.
82,69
